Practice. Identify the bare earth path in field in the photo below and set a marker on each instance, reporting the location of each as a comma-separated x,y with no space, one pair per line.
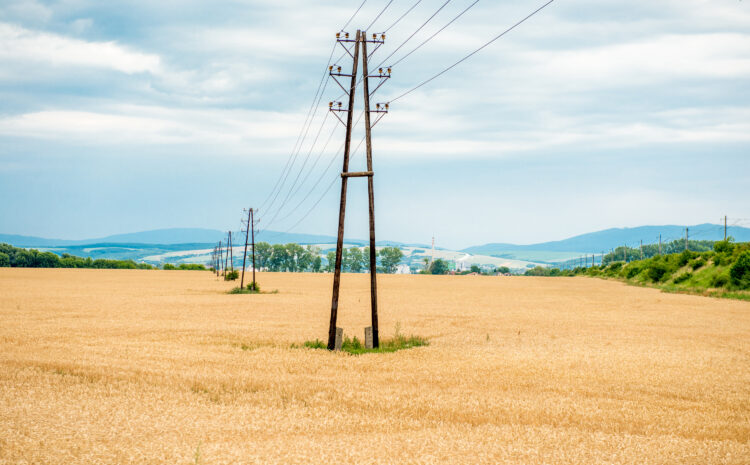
162,367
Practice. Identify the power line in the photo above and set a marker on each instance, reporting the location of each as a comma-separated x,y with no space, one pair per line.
317,159
328,189
413,33
308,120
402,16
305,178
320,178
438,32
379,15
474,52
355,14
299,148
294,183
316,101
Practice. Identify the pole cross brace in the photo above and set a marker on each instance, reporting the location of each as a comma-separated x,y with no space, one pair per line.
357,174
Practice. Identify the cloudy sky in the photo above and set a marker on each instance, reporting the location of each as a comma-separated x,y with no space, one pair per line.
122,116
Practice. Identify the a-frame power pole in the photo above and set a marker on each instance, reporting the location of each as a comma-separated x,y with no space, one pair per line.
335,71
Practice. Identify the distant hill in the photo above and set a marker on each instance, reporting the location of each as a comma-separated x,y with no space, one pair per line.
190,236
596,242
158,236
193,245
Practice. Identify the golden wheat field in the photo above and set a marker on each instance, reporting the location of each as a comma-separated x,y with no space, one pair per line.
164,367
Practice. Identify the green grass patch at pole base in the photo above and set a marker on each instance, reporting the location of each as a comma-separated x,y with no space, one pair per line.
355,347
251,288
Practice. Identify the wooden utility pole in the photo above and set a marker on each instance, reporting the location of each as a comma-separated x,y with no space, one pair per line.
687,246
371,199
342,204
226,257
641,249
231,253
244,255
359,41
659,244
252,238
221,256
725,227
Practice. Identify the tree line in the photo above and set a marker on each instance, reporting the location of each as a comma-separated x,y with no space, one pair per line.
725,266
629,254
293,257
23,258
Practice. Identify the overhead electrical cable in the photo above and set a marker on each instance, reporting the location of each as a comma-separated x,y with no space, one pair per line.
473,53
299,173
315,101
436,33
413,34
402,16
299,148
379,15
355,14
315,185
328,189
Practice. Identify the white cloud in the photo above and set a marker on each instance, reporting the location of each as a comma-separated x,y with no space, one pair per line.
20,44
81,25
647,61
228,131
29,11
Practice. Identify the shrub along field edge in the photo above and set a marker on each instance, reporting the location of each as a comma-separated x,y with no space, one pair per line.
721,272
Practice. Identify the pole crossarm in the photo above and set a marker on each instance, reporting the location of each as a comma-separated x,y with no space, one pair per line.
336,110
357,174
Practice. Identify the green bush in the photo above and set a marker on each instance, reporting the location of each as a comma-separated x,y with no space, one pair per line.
169,266
232,275
740,271
657,271
720,280
614,267
192,267
632,270
698,263
4,260
683,277
723,247
685,257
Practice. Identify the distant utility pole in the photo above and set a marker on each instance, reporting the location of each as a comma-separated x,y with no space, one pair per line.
659,244
250,230
226,257
432,253
625,253
641,249
360,41
725,227
231,253
217,260
221,256
687,245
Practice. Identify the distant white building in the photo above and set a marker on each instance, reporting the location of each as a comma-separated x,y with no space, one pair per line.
403,269
463,264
